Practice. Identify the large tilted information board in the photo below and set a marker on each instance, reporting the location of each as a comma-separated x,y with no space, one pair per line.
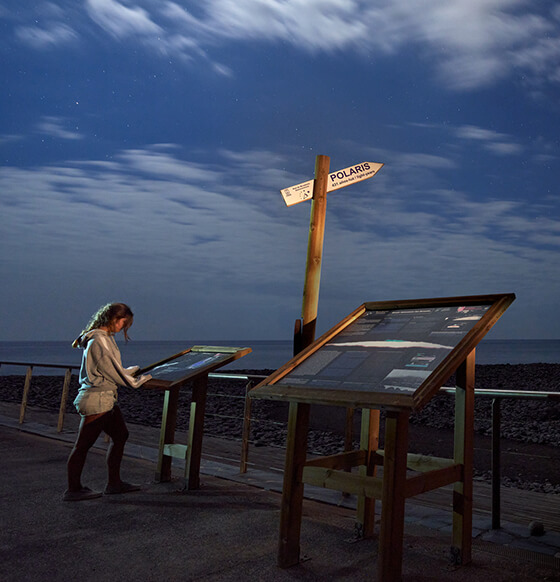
392,355
387,353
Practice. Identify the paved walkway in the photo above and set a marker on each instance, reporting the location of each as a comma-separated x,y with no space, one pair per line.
225,531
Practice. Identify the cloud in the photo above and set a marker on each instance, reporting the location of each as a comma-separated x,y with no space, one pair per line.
500,144
121,21
53,127
468,43
51,35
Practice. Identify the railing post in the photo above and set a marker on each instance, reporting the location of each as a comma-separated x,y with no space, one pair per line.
26,386
496,478
63,399
246,431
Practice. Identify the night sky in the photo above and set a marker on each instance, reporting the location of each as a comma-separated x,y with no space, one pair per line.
144,143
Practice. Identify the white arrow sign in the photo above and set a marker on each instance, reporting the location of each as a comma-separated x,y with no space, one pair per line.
337,180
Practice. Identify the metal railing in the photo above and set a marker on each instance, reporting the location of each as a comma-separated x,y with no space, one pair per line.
27,385
496,395
248,378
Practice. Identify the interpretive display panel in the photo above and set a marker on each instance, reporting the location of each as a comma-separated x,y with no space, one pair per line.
388,352
192,362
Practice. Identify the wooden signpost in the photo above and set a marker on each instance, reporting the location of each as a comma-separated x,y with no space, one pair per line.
316,191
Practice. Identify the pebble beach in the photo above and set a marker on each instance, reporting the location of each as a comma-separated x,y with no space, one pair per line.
534,423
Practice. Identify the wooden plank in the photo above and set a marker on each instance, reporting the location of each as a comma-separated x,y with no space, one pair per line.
292,490
342,461
176,451
422,463
346,398
433,480
463,455
364,486
393,501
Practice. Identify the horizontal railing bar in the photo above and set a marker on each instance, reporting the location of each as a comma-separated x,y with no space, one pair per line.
63,366
521,394
224,375
228,376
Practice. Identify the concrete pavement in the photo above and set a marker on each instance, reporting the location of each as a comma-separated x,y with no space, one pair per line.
227,530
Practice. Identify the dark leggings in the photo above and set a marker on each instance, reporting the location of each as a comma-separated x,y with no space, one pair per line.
113,424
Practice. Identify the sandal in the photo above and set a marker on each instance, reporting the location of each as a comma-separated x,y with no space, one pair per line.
81,495
122,487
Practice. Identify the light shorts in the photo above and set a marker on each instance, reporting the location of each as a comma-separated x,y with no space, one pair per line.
88,402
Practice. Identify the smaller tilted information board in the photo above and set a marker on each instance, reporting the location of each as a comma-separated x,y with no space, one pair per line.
189,367
192,362
387,353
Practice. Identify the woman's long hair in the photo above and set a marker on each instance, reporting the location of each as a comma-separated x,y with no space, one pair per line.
105,316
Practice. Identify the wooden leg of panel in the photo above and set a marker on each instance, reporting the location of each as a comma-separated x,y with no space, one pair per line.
292,492
463,454
393,502
369,440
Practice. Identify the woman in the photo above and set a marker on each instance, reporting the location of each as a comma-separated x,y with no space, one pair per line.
101,374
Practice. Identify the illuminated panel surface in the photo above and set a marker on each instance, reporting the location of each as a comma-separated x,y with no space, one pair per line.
387,351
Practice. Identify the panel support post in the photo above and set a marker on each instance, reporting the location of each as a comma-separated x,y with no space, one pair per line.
167,433
292,490
315,250
196,432
496,469
369,441
463,455
393,502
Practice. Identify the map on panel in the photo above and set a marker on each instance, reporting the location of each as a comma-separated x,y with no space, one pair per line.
193,362
190,362
391,351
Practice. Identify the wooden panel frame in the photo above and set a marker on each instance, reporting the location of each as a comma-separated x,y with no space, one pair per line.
191,452
270,389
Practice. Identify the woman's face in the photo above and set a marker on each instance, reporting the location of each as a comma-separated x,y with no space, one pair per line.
120,323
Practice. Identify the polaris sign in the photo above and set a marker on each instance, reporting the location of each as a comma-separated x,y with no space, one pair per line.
337,180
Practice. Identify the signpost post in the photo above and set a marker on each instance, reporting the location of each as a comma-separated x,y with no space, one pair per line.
316,191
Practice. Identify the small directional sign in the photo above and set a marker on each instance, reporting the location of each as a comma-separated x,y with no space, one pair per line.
337,180
298,193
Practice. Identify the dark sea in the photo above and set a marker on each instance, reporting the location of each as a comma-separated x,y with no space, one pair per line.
265,355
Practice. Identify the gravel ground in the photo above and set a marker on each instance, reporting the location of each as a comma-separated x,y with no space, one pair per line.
532,426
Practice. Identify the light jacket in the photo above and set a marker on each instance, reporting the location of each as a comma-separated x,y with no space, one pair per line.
101,373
